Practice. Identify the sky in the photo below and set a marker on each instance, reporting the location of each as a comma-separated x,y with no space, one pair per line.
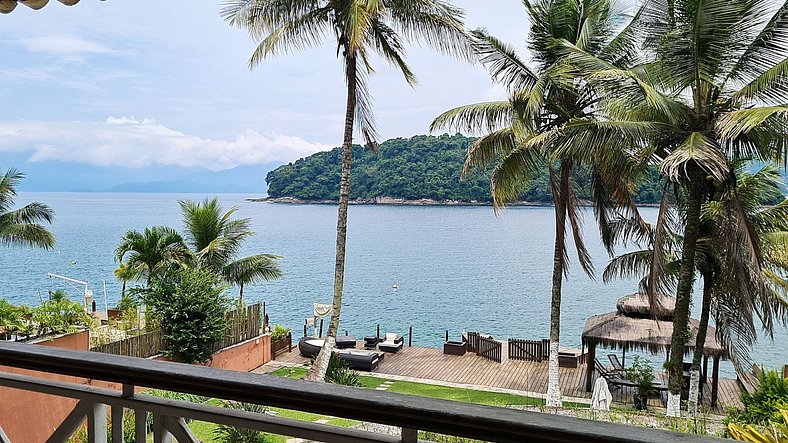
167,83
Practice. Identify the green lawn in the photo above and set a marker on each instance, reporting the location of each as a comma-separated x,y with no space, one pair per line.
434,391
204,431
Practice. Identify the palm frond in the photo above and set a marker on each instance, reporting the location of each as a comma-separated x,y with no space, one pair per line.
697,149
502,61
476,118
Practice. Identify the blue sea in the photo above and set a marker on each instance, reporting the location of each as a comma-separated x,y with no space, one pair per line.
455,268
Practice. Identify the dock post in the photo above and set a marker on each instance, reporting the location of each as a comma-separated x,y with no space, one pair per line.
410,336
447,335
377,334
321,328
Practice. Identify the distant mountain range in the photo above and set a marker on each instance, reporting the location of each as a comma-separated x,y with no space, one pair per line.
52,176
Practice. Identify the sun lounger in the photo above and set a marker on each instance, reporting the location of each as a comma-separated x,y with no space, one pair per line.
617,366
391,342
361,360
613,378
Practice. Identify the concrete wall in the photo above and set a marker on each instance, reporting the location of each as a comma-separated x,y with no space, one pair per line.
30,417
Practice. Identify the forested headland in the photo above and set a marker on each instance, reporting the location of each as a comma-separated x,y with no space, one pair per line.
420,167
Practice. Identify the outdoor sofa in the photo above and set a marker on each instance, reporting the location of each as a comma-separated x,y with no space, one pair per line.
361,360
391,343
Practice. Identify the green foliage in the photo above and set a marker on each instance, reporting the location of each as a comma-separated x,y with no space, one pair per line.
764,404
190,306
12,318
279,332
59,316
775,432
339,373
418,167
23,226
642,373
57,295
229,434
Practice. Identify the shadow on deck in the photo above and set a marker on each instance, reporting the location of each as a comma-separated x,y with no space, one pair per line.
529,378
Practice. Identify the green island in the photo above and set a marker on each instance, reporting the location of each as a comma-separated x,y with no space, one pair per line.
416,168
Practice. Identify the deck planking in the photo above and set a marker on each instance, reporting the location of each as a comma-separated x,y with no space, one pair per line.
526,376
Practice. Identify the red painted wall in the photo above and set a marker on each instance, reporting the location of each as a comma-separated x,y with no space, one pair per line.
28,417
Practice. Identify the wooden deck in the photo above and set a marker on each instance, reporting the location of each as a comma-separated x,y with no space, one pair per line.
528,377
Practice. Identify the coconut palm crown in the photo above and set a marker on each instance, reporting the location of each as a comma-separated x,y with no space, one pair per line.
23,226
538,127
217,239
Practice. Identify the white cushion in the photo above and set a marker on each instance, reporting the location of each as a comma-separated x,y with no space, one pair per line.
390,336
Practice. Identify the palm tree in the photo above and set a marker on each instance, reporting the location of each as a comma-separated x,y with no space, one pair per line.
152,252
125,274
22,226
361,28
733,292
217,240
530,131
713,92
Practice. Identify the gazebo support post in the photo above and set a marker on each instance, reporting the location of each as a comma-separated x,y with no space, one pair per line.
706,366
624,356
590,359
716,374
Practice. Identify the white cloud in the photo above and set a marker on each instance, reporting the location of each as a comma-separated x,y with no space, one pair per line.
127,141
64,45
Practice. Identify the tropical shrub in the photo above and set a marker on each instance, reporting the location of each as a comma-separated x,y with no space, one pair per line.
339,373
229,434
763,405
11,318
642,373
59,316
279,332
773,433
190,307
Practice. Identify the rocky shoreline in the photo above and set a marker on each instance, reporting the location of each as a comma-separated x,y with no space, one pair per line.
386,201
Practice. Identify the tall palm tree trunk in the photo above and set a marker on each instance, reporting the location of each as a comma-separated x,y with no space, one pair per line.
680,337
700,343
318,370
553,399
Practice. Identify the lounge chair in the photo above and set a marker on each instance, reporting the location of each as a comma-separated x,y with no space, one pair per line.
391,343
617,366
309,347
613,378
346,341
360,360
371,342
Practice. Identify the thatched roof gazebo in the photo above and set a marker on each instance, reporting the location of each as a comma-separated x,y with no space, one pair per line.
634,326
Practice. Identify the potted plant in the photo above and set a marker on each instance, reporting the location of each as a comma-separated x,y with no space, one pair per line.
642,373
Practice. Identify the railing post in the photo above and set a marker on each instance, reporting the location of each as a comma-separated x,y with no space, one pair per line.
410,435
160,433
97,423
140,426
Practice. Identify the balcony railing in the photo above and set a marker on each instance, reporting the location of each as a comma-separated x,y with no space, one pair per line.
410,413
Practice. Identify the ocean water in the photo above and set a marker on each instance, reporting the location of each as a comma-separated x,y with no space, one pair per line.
456,268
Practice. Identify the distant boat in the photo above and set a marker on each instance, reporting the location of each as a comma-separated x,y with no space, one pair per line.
394,286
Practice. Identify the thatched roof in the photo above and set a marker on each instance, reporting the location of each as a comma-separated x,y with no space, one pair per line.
616,330
638,305
7,6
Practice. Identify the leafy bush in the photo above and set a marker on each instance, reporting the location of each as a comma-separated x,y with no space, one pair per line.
764,404
642,373
229,434
339,373
11,318
279,332
773,433
441,438
190,307
59,316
